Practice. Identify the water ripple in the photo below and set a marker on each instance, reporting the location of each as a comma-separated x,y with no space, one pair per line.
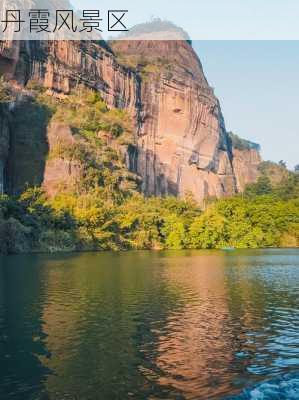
149,325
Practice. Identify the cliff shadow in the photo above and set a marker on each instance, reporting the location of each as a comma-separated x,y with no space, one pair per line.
28,147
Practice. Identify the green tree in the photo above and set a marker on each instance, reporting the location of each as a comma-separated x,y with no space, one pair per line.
208,231
174,232
261,187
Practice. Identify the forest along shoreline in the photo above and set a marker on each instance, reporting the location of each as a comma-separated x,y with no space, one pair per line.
104,209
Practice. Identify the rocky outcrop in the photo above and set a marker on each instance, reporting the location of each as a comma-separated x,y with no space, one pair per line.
59,67
61,173
181,142
62,65
245,164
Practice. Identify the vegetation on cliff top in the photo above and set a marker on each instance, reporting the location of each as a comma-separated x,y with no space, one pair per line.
242,144
105,211
148,66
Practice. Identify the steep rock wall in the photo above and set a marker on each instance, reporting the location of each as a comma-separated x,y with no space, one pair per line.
245,164
182,144
59,67
61,173
181,141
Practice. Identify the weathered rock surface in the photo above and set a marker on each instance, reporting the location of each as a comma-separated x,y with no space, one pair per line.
245,164
58,66
61,65
182,144
60,172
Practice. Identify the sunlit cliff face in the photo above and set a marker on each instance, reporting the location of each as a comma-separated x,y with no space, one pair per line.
180,144
182,140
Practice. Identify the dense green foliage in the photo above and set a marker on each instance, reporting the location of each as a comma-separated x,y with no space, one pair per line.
105,210
6,95
95,221
277,173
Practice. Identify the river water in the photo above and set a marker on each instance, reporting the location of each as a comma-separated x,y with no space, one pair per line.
150,325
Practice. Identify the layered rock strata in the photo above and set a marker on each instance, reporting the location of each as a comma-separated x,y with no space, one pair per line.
181,143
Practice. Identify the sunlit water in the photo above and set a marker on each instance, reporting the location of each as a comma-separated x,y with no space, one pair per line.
150,325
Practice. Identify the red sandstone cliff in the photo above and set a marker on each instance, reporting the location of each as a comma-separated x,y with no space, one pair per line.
181,141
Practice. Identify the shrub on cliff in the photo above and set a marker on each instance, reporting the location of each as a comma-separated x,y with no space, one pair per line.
242,144
6,95
88,115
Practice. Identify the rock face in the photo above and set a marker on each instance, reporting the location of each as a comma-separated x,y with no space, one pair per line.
61,65
245,164
60,173
181,142
183,145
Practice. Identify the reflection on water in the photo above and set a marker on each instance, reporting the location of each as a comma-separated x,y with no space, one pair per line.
147,325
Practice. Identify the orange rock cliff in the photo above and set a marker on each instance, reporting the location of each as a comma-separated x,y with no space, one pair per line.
181,141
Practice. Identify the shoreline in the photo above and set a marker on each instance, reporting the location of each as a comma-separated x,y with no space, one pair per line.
122,251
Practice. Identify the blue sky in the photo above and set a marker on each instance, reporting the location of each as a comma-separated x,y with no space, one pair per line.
256,81
213,19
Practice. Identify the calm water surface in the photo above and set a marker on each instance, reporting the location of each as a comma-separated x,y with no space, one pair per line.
150,325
